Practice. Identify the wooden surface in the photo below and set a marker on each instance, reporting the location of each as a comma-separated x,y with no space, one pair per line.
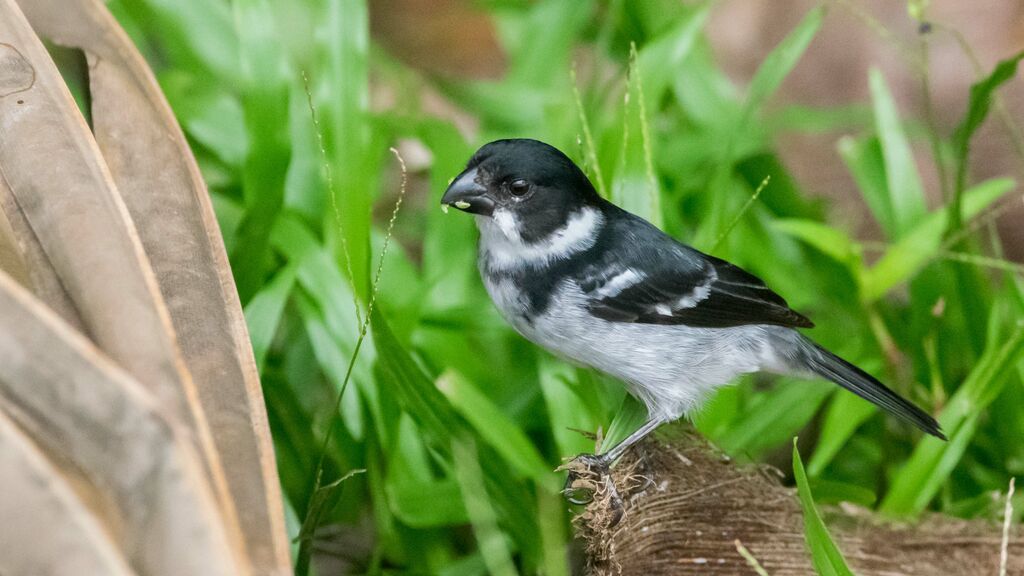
686,521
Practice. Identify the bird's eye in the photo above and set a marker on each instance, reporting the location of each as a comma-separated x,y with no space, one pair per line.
519,187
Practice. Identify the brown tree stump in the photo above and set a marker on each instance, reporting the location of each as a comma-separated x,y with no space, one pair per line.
690,504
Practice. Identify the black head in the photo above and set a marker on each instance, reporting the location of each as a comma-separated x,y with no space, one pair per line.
533,181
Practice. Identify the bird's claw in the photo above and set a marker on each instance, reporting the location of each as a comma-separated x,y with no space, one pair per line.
586,473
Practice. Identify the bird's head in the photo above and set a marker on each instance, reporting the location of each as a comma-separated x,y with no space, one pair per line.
525,185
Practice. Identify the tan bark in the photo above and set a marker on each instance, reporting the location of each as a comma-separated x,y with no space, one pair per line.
163,190
698,503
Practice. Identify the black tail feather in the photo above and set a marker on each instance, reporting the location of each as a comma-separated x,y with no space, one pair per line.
828,365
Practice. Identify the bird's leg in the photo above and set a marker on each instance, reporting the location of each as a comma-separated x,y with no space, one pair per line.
599,465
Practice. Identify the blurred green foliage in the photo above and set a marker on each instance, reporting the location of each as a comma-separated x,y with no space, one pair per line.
459,422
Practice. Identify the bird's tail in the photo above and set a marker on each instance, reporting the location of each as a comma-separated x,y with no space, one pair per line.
827,365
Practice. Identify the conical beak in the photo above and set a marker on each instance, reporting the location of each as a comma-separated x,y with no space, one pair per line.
468,195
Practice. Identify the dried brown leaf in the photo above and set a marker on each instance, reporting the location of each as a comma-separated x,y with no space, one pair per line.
162,187
63,188
82,408
38,500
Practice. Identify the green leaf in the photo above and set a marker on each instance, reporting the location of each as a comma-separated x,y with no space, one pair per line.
845,414
196,34
782,59
321,502
827,559
631,415
863,158
263,313
497,429
334,360
829,492
265,107
551,512
352,146
924,474
416,393
209,114
774,416
661,58
482,516
567,406
906,193
428,504
826,239
977,110
920,244
773,70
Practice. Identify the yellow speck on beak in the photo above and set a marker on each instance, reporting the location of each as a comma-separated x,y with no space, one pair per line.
462,204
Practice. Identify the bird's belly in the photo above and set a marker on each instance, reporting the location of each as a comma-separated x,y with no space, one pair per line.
672,369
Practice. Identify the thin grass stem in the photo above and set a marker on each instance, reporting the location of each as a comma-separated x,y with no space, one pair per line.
589,149
1004,548
749,557
743,210
329,178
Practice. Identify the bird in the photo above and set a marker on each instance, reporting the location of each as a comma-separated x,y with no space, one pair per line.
606,289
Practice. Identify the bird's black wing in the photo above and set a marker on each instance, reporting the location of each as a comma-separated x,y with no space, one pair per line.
647,277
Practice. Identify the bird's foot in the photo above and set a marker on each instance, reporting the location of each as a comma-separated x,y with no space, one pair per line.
589,479
588,474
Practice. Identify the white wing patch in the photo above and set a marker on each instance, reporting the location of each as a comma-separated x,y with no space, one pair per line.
699,293
505,248
618,283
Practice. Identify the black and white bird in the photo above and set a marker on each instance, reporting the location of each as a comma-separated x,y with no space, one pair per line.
602,287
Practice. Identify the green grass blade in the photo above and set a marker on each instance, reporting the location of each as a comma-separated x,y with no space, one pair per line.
334,360
323,499
482,515
196,34
568,412
415,391
977,110
933,461
265,106
921,243
551,513
774,416
497,429
631,415
428,504
769,76
863,158
825,555
661,59
263,313
634,186
782,59
906,193
830,241
355,158
844,415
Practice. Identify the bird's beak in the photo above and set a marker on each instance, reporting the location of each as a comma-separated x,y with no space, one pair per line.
466,194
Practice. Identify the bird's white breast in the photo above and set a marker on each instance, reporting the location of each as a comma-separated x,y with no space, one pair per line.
671,368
